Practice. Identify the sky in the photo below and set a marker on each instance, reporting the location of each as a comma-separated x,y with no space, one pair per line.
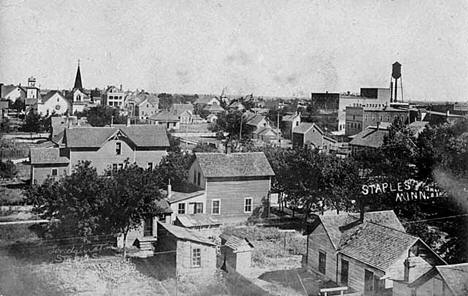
269,47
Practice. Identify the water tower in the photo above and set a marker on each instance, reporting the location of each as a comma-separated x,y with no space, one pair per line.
396,74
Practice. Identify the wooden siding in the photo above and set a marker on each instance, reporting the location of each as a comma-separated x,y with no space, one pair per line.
184,259
39,173
233,193
193,171
356,272
105,156
319,241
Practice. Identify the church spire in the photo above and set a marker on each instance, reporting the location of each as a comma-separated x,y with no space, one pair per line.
78,84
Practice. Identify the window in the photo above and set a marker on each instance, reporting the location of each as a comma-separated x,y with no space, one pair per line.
248,205
181,209
344,272
198,208
150,165
118,148
215,207
199,179
195,177
196,257
54,172
322,262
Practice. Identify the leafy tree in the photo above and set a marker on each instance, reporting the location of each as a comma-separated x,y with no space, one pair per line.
133,195
7,169
233,123
32,122
175,166
165,101
103,115
75,203
18,105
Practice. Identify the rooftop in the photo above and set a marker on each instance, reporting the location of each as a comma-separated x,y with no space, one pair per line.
197,220
251,164
47,156
185,234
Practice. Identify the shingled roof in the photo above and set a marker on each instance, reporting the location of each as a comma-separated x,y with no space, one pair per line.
333,222
376,245
185,234
47,156
304,127
370,137
250,164
141,135
455,277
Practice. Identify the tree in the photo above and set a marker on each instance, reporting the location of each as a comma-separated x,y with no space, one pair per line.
133,196
32,122
74,203
7,169
233,123
103,115
175,166
165,101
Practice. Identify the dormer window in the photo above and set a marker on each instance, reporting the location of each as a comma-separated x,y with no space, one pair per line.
118,148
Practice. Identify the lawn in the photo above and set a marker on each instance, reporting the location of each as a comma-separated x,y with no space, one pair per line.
272,247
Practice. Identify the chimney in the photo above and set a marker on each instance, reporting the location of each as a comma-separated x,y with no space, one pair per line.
409,274
169,189
120,87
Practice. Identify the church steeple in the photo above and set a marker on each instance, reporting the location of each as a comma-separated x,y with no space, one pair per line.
78,84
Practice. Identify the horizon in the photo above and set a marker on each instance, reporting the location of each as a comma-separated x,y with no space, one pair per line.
275,49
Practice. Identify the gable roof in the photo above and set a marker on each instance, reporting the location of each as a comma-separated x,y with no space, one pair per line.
213,108
290,117
376,245
47,156
185,234
141,135
197,220
165,116
250,164
237,244
6,89
50,94
304,127
456,277
255,119
370,137
333,222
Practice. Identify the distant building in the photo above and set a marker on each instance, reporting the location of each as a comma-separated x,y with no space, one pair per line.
53,103
114,97
107,148
370,138
146,107
165,118
12,92
214,108
310,135
32,92
369,97
289,122
366,255
358,118
325,102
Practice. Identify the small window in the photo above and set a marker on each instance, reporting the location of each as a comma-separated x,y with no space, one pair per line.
194,177
199,179
196,257
118,148
322,262
198,208
248,205
181,209
215,207
54,172
150,166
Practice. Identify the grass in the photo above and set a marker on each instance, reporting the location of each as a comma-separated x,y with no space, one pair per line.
9,196
270,244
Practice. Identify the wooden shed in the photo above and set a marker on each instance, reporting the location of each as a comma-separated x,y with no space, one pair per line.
236,253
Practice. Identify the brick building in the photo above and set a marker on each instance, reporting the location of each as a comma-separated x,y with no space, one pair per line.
358,118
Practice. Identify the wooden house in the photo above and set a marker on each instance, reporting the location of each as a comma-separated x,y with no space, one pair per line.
310,135
192,253
444,280
365,255
234,183
236,253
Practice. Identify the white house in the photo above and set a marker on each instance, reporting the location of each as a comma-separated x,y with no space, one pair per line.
53,103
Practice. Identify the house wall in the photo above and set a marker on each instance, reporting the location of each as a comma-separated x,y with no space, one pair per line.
193,171
39,173
401,289
105,156
370,117
433,286
356,272
319,241
354,120
232,193
244,262
298,139
145,110
15,94
184,259
56,104
314,137
188,209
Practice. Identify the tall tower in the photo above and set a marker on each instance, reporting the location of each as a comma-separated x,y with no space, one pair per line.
396,74
78,84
